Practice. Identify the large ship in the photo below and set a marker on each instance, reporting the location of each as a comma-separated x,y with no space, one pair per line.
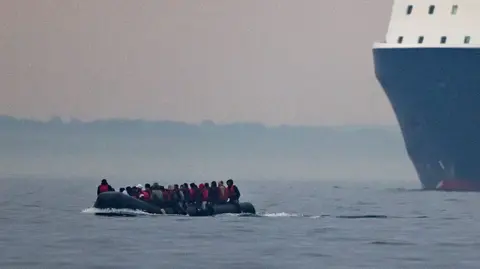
429,68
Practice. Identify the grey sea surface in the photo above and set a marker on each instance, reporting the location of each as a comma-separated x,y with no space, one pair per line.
49,223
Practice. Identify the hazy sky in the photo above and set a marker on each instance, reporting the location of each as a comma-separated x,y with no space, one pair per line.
272,61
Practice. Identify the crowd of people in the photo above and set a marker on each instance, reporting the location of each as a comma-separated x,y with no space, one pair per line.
178,197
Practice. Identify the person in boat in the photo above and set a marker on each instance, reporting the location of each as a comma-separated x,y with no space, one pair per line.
148,188
203,195
233,192
157,194
167,196
207,187
171,193
178,196
179,199
145,194
222,193
194,194
186,194
137,191
133,191
128,190
104,187
213,193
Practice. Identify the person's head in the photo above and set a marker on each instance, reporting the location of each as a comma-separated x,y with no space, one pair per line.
193,186
207,185
201,186
229,182
220,183
214,184
139,186
162,188
147,186
155,186
122,189
104,181
175,186
185,186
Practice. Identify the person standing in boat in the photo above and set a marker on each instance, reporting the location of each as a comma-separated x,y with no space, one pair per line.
104,187
233,192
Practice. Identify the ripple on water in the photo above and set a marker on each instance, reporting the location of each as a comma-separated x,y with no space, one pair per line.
392,243
314,254
321,230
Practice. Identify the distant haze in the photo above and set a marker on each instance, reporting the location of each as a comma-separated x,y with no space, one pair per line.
174,151
270,61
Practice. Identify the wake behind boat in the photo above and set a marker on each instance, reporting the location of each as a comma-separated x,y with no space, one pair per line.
204,200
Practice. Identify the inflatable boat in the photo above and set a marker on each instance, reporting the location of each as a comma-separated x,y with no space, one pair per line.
117,200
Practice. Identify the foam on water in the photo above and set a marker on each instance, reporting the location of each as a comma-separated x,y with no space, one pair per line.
281,214
130,212
125,211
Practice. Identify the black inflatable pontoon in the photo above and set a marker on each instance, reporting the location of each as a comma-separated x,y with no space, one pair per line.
117,200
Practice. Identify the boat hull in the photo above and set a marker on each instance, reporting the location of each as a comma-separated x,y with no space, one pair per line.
435,94
117,200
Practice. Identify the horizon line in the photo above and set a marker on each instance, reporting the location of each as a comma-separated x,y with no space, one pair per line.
68,120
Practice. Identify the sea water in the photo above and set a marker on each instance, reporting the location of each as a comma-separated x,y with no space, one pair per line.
49,223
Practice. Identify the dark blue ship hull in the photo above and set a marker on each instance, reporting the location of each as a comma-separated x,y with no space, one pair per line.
435,94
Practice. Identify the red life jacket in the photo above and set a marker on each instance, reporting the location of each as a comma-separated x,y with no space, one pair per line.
223,193
231,192
146,195
192,194
205,194
166,195
103,188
